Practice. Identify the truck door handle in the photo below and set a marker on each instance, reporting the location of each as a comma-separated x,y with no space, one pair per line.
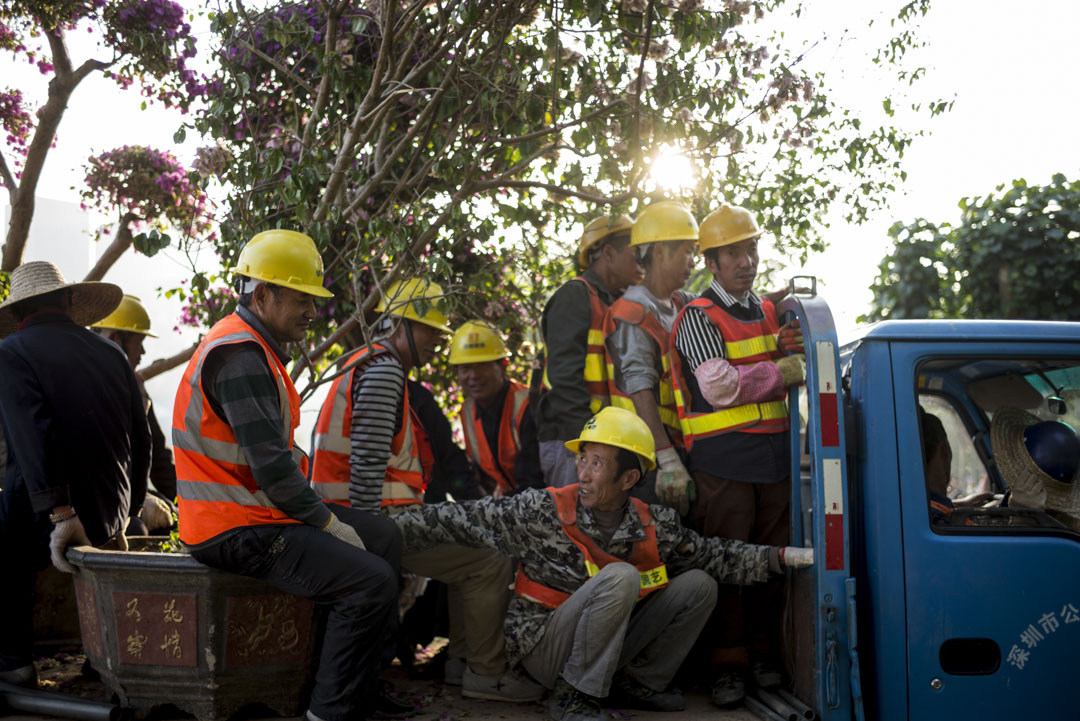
970,656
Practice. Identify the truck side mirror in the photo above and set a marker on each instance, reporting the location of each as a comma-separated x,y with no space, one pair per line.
1056,405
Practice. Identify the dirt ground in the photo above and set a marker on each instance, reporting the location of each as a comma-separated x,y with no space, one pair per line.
435,701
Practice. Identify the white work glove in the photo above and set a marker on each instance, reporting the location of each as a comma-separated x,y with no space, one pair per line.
69,532
795,557
121,542
156,513
343,532
674,486
792,369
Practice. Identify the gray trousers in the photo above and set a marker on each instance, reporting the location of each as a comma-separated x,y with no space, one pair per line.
603,628
558,464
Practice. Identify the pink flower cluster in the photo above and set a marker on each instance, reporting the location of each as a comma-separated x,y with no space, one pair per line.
148,183
155,41
15,120
206,308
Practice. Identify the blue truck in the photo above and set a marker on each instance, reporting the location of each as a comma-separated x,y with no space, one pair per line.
901,617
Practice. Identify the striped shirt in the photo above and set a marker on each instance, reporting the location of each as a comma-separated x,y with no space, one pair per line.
241,389
698,339
378,392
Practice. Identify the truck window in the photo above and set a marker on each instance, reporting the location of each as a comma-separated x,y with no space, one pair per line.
970,484
967,474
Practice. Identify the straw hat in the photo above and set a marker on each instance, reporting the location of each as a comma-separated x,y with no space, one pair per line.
1031,485
90,302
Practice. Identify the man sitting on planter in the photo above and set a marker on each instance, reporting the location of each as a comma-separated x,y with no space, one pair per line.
244,501
611,592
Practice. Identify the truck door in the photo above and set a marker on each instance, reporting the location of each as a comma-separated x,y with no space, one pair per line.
992,594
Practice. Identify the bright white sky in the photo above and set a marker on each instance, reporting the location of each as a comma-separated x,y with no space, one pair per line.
1009,67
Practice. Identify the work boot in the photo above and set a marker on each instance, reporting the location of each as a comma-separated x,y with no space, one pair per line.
766,675
569,704
728,689
21,676
628,692
508,686
454,671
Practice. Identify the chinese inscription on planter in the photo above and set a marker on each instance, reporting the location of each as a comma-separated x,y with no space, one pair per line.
156,629
267,628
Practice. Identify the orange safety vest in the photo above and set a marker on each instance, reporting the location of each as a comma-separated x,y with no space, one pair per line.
215,487
500,467
596,378
632,312
410,452
745,343
645,557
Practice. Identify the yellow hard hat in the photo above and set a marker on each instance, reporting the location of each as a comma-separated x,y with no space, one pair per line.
476,342
728,225
406,298
620,428
285,258
129,316
597,230
664,220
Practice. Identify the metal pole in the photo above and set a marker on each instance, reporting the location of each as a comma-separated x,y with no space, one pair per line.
57,704
777,705
796,703
760,710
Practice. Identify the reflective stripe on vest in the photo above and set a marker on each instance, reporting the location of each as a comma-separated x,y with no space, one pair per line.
500,468
745,343
645,556
595,371
216,490
405,475
629,311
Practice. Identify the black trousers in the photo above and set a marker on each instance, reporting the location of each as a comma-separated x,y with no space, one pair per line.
24,551
358,587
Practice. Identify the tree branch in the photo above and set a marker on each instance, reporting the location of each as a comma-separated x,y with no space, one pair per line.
161,365
120,243
344,158
332,17
551,188
9,180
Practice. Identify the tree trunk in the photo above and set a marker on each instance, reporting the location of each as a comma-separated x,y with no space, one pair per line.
120,243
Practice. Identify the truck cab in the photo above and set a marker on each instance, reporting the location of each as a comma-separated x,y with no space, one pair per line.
911,614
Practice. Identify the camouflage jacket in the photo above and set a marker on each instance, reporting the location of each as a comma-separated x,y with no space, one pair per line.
526,527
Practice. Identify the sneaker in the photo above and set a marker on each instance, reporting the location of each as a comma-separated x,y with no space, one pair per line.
766,675
728,689
389,706
454,671
21,676
631,693
569,704
507,686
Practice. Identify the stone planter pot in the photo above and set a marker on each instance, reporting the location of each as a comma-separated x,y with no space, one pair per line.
161,628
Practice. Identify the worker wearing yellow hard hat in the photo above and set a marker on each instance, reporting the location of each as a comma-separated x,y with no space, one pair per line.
733,366
589,553
374,452
572,381
241,475
499,429
127,327
637,337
